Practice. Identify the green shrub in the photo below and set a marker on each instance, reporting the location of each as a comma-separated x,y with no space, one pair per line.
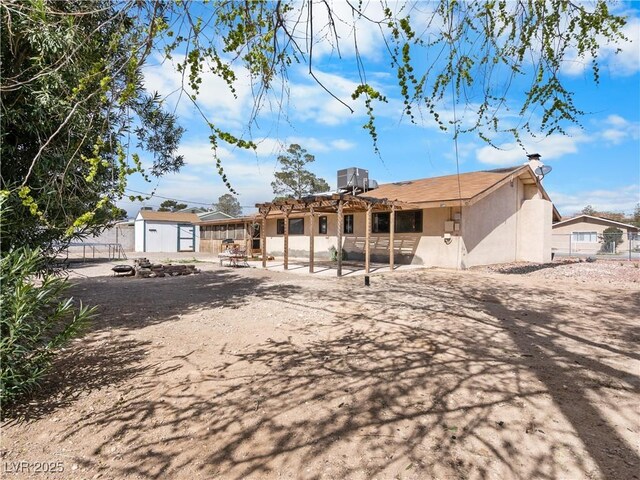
333,254
35,320
612,234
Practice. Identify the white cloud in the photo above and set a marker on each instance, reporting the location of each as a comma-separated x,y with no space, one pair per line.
619,129
623,63
551,147
215,98
309,101
346,30
623,199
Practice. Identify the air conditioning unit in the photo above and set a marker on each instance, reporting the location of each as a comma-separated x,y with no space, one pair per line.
353,179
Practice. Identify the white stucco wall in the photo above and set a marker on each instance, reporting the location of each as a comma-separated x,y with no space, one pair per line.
489,228
139,234
511,224
534,232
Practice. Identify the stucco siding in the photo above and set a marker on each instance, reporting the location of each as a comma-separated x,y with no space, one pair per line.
490,226
562,235
425,248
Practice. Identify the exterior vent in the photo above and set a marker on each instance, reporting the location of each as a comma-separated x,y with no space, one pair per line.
353,179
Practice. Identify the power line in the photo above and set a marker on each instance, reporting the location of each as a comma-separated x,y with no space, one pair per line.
191,202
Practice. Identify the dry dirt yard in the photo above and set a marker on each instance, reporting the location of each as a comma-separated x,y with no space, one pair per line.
427,374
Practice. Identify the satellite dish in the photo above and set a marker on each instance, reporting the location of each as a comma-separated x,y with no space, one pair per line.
543,170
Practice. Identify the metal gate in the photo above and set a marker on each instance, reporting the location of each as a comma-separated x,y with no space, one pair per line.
186,238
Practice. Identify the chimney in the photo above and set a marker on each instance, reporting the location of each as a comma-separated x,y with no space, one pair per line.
534,162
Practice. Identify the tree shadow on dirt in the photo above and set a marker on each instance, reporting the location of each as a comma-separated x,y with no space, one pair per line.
97,364
449,381
132,303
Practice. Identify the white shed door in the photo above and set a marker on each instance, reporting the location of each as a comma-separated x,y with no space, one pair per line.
186,238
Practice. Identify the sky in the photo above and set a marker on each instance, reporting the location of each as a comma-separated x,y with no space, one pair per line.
597,163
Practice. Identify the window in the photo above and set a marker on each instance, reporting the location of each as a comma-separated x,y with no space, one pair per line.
381,222
296,226
322,225
408,222
348,224
584,237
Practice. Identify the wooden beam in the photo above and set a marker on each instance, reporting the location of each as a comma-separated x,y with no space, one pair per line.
311,239
392,228
263,240
286,239
339,235
367,241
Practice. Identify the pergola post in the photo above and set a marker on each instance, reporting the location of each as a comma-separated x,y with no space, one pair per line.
367,240
245,235
339,235
286,239
392,231
263,238
311,239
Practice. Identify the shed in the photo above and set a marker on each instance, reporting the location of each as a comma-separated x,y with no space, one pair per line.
166,232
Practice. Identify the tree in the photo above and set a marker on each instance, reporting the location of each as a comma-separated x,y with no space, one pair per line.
228,204
171,206
615,216
73,122
293,180
635,219
120,214
612,235
69,119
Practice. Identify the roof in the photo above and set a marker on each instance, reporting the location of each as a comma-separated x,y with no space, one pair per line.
598,220
452,190
217,215
168,216
443,189
196,210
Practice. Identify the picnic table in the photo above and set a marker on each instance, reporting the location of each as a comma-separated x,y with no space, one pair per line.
233,258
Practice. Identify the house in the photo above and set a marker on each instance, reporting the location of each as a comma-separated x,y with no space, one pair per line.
242,230
584,234
454,221
166,232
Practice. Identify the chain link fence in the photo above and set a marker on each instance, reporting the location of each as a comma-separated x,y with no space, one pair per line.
593,244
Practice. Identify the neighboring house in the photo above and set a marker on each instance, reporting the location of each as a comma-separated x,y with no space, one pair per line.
584,234
196,210
166,232
476,218
217,215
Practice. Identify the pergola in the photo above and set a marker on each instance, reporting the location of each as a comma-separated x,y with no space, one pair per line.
329,203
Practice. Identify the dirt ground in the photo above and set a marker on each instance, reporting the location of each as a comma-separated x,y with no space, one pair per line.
426,374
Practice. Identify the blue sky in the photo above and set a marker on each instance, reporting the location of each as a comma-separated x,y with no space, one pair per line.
597,163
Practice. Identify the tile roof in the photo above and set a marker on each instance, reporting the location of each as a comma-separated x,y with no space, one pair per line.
169,216
443,189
